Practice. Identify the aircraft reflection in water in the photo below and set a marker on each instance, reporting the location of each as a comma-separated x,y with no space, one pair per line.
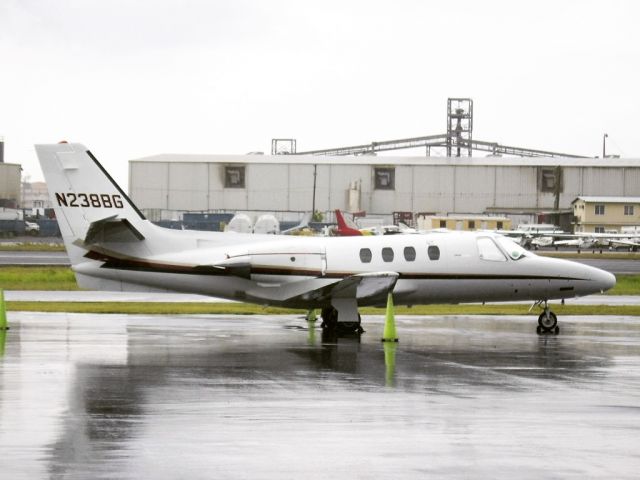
112,246
212,375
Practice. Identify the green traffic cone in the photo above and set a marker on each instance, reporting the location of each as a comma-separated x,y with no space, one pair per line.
390,334
311,315
3,312
389,362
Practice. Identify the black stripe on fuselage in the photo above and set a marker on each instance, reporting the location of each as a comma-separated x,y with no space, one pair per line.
139,265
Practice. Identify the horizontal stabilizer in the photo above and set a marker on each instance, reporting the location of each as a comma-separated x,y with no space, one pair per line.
112,230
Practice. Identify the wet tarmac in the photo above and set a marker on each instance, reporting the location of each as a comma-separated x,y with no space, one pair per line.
263,397
34,258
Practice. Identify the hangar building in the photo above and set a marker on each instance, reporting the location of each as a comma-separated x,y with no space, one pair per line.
378,185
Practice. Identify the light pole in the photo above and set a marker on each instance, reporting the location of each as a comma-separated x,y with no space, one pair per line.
604,145
313,204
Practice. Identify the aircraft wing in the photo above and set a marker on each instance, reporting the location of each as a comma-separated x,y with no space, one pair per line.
304,223
624,242
361,286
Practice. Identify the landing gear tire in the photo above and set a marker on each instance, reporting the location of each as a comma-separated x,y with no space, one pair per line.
330,323
329,318
548,323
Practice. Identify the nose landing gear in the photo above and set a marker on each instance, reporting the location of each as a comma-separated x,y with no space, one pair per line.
547,321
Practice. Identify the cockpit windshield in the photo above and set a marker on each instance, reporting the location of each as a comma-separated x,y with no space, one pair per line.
515,251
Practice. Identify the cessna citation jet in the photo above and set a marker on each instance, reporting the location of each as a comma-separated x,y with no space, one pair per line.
113,247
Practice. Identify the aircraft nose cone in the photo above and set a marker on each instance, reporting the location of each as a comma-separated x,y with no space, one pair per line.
605,280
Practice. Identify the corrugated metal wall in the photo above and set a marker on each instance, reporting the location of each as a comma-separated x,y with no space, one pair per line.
199,186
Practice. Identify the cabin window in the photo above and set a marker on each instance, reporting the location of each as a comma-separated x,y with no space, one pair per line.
515,251
234,176
599,209
489,250
365,255
387,254
434,252
409,254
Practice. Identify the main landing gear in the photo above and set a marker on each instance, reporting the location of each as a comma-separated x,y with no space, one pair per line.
331,324
547,321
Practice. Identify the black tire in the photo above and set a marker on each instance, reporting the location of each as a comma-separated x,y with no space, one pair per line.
556,330
539,330
548,323
329,318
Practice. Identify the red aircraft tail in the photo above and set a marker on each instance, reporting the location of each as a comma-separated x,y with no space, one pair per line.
344,230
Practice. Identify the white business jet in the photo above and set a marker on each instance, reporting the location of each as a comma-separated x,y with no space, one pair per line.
113,247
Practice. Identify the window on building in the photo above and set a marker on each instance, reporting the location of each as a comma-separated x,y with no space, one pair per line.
409,254
550,179
489,250
384,178
472,224
365,255
628,209
434,252
387,254
599,209
234,176
599,229
443,224
500,225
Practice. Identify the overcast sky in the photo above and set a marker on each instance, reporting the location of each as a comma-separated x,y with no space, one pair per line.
136,78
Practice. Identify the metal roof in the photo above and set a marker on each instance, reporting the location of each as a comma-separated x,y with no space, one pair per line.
393,160
605,199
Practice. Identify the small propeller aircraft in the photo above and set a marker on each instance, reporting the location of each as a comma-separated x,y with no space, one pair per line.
112,246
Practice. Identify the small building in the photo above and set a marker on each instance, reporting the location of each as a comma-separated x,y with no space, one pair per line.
605,213
10,185
35,195
464,222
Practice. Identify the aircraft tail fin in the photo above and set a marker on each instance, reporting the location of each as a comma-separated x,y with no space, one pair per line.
344,228
89,204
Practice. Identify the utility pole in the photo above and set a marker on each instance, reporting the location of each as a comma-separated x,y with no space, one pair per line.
313,204
604,145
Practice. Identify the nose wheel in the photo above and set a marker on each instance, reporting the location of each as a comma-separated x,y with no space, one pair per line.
547,322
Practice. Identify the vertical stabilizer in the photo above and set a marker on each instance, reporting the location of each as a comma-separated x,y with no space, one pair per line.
82,192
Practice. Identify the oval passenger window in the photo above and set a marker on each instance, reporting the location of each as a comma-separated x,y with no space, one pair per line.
409,254
365,255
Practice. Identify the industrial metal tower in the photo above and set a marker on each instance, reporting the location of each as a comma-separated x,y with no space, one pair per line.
459,126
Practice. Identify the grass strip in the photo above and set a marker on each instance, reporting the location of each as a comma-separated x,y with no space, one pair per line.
37,278
249,309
